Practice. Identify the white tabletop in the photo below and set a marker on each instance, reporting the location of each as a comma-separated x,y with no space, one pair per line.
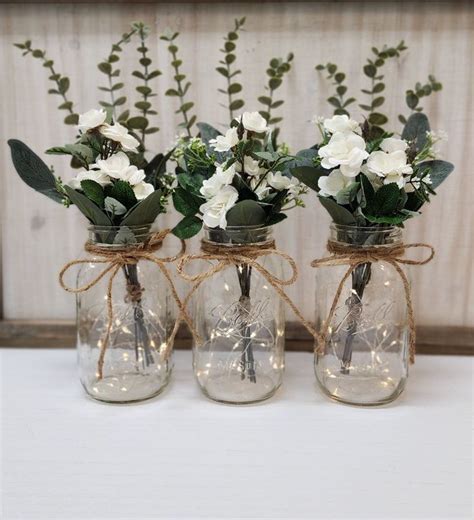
298,455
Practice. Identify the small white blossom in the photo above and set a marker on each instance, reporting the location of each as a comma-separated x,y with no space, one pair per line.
346,150
92,119
250,167
392,144
278,181
260,187
254,122
223,143
215,210
119,134
341,123
143,190
333,183
211,187
389,164
92,175
118,166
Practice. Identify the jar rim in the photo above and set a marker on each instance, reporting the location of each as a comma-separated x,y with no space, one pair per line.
239,228
141,227
348,227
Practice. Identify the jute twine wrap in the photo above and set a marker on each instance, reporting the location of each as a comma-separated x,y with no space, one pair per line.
342,254
226,255
115,258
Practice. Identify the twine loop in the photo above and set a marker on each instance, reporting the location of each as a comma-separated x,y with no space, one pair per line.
114,259
227,255
353,256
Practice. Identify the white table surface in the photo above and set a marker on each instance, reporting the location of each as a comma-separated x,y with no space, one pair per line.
298,455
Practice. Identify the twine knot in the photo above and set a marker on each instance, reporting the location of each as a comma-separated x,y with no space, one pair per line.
114,259
348,254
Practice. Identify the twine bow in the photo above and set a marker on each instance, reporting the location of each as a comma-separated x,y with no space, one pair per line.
242,254
117,258
355,256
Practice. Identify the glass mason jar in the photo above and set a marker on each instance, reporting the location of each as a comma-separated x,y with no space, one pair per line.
240,320
137,358
365,359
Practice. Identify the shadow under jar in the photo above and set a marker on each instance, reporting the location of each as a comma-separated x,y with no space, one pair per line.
240,320
137,358
365,359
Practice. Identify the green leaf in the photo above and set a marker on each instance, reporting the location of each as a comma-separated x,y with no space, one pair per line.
377,102
384,202
171,92
142,105
63,85
93,191
88,208
123,192
207,132
339,214
105,67
415,130
235,105
138,122
275,218
186,107
33,171
246,213
265,100
439,171
145,212
185,202
370,70
392,220
412,99
309,175
377,119
347,194
378,87
223,71
234,88
72,119
187,228
274,83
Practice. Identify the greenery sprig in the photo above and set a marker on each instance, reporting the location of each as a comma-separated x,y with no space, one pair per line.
62,82
182,86
338,101
276,71
413,95
233,87
372,71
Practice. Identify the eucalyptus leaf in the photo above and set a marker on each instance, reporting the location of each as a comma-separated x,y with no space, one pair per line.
246,213
88,208
309,175
415,130
339,214
145,212
439,171
114,207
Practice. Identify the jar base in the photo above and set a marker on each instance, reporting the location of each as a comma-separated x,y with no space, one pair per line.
126,388
238,392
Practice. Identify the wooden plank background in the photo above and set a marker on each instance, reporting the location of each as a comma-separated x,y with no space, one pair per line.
38,237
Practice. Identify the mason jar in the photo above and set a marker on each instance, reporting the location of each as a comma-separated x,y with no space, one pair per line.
135,363
365,357
240,321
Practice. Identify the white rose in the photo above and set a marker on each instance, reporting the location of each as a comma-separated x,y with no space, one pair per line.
142,190
215,210
260,187
223,143
250,167
93,175
346,150
384,164
211,187
254,122
119,134
91,119
118,167
279,181
341,123
392,144
332,184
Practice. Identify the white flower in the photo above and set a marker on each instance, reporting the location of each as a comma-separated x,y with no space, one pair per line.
260,187
396,178
92,119
392,144
388,164
254,122
119,134
250,167
278,181
211,187
415,183
142,190
341,123
118,166
346,150
93,175
215,210
223,143
332,184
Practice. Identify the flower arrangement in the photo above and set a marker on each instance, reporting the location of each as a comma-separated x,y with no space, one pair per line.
235,179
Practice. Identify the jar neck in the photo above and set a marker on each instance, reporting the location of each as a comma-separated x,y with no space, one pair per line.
239,235
365,236
119,236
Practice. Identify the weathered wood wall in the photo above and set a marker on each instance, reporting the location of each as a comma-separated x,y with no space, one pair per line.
38,237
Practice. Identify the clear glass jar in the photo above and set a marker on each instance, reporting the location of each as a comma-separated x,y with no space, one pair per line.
240,320
137,358
365,360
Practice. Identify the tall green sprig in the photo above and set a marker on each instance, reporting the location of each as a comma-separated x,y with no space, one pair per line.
372,71
338,101
413,95
233,87
61,82
277,69
182,86
141,123
107,67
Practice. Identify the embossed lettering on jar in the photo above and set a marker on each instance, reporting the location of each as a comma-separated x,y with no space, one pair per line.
240,320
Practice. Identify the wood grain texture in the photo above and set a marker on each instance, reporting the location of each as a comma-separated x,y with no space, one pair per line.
39,237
